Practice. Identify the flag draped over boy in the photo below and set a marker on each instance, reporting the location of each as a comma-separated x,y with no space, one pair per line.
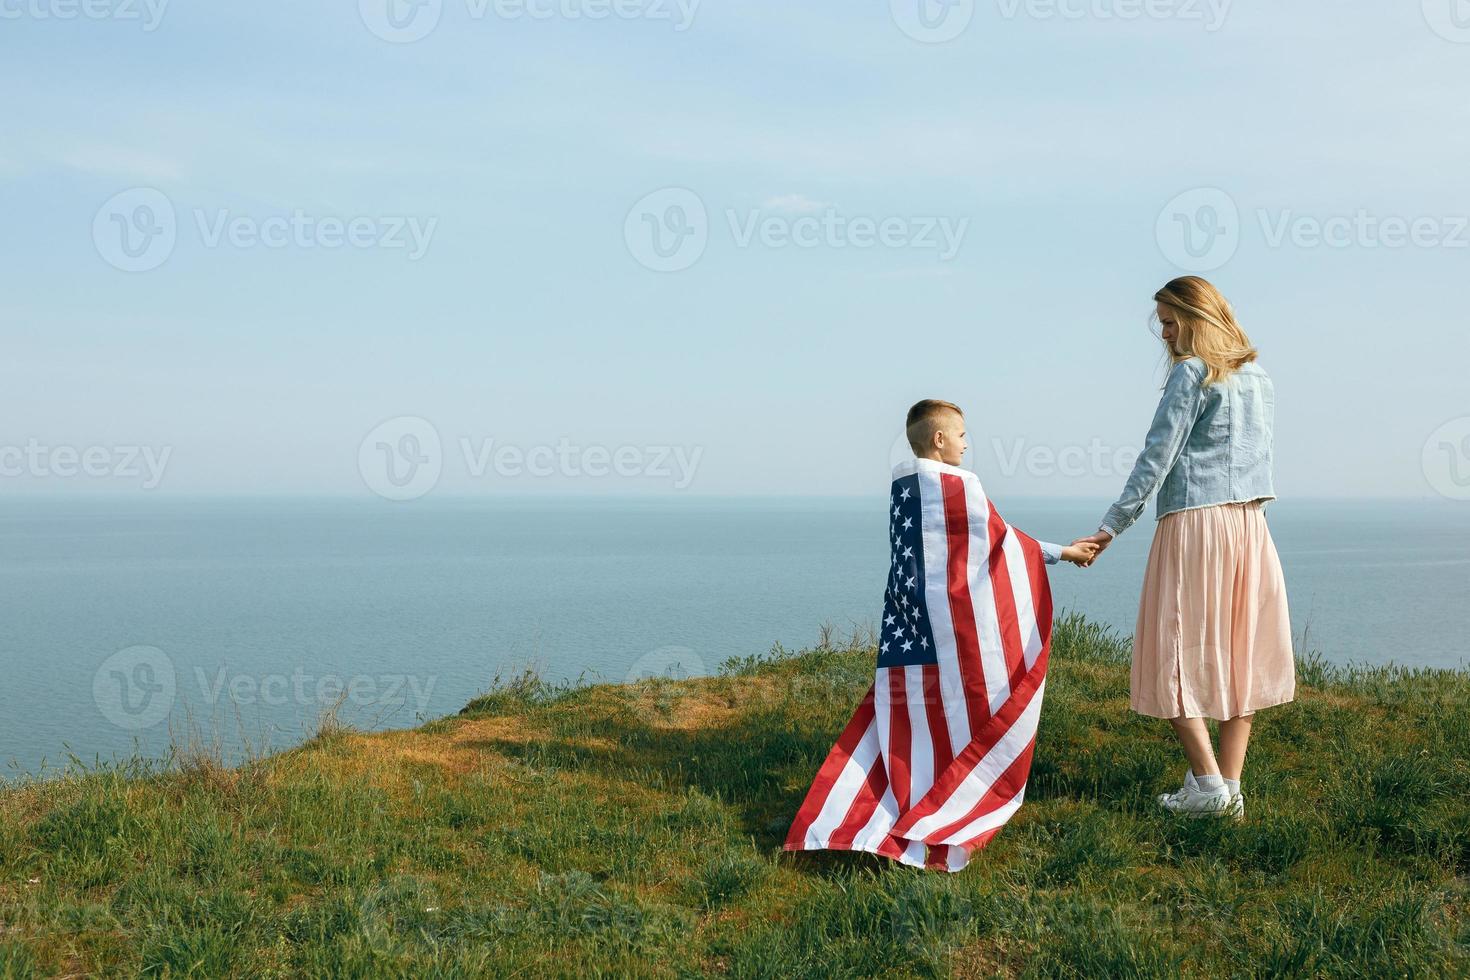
936,758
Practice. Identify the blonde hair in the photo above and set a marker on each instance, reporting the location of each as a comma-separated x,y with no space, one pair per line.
1207,327
923,422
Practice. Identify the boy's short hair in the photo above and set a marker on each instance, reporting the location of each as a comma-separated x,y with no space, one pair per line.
923,422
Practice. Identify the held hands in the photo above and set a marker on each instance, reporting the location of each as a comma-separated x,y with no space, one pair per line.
1087,549
1081,552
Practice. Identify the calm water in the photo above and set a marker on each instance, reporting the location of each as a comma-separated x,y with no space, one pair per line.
127,624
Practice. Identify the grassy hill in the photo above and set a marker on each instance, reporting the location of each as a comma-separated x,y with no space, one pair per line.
636,831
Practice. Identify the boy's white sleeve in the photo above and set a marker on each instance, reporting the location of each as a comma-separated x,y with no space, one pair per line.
1050,553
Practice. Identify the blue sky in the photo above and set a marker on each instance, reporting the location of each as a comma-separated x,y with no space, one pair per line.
1051,139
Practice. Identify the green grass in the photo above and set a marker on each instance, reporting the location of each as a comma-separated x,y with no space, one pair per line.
564,830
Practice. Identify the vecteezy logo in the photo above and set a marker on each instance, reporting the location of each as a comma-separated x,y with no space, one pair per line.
932,21
134,688
668,230
136,231
1450,19
401,21
1447,459
401,459
1199,231
672,663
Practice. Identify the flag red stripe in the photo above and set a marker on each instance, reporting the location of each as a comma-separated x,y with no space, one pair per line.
979,842
837,759
961,606
900,751
938,726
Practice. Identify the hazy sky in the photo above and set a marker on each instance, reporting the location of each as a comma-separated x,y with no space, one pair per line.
718,248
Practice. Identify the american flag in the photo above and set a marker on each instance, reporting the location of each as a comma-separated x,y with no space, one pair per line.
936,758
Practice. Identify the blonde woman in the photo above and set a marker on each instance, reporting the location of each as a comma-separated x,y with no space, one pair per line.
1214,635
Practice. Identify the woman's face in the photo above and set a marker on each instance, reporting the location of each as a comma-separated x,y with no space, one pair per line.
1169,325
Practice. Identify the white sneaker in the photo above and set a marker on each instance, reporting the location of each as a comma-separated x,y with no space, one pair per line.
1236,810
1189,783
1191,801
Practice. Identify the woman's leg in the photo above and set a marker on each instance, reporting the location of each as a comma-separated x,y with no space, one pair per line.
1235,734
1194,735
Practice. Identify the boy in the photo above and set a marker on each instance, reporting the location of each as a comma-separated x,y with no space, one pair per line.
936,430
937,755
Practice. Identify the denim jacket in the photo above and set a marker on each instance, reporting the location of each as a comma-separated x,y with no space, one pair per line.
1209,444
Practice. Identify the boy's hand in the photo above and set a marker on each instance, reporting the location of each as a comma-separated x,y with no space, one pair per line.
1081,552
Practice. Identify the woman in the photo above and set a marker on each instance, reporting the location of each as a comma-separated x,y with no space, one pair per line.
1214,635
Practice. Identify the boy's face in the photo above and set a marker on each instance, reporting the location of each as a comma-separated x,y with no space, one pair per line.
949,441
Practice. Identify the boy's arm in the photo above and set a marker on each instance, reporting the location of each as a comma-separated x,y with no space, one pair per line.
1078,553
1050,553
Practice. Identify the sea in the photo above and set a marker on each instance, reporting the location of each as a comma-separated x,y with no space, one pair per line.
238,627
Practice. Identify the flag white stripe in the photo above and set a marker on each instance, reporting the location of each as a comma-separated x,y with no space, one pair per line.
987,821
1021,589
883,717
921,744
847,785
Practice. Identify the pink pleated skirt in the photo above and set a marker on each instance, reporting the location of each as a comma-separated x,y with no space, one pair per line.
1214,632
